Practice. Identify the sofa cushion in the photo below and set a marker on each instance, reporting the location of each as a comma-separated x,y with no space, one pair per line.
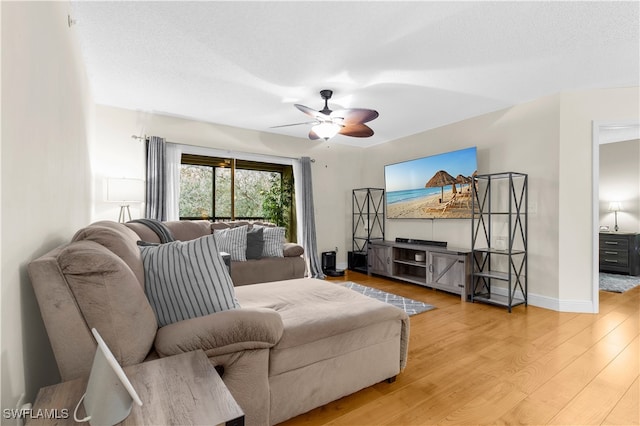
233,241
185,230
144,233
273,241
255,243
219,225
119,239
187,280
292,250
322,319
110,298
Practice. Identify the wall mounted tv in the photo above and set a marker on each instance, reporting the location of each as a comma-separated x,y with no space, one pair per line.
434,187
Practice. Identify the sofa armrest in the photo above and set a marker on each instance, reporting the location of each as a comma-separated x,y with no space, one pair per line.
221,333
293,250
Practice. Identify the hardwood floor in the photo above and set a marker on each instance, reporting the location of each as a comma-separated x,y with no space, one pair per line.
477,364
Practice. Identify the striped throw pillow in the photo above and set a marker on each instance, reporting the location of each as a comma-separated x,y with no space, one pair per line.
273,241
233,241
185,280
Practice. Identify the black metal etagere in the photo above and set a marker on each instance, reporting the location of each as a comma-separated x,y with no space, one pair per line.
499,239
368,207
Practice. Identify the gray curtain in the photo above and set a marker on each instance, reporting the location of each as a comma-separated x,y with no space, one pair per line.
309,241
156,190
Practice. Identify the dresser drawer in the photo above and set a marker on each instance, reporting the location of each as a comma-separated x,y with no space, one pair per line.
614,257
614,243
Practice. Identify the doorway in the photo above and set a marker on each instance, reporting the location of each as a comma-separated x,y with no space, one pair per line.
604,133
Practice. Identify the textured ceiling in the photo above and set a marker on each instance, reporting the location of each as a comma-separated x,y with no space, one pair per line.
421,65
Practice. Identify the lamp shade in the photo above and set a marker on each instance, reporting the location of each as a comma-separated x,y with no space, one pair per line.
326,130
615,206
125,190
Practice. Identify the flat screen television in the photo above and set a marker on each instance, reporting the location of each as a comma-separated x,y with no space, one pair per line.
434,187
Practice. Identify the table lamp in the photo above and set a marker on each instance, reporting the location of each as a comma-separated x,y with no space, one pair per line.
615,207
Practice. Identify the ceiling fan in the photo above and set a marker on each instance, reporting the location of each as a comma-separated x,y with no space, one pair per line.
327,123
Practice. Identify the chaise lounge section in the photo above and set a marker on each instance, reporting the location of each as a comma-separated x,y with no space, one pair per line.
291,346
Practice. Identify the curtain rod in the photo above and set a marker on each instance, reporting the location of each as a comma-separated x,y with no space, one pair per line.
145,138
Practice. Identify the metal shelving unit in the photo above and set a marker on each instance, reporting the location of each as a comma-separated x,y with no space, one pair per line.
368,207
499,239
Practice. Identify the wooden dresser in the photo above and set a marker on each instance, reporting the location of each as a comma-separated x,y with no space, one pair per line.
620,252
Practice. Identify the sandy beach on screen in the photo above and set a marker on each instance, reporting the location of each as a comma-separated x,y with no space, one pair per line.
432,207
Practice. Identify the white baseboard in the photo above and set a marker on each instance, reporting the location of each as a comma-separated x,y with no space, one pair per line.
546,302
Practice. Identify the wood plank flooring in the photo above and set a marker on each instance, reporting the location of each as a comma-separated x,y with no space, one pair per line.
477,364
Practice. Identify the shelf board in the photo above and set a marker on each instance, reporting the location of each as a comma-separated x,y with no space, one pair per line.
496,251
497,299
411,278
411,262
498,275
501,213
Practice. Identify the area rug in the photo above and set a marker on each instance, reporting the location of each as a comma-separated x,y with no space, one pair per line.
618,283
410,306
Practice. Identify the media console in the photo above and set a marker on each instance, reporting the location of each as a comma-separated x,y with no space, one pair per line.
429,265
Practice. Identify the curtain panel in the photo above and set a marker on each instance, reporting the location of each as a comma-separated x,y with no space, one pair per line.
156,187
304,195
173,161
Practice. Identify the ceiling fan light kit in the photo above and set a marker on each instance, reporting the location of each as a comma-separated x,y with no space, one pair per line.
326,130
328,123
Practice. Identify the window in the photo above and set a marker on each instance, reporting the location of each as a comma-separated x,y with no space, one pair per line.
220,189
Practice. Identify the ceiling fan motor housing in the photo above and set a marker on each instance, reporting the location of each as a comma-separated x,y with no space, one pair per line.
326,94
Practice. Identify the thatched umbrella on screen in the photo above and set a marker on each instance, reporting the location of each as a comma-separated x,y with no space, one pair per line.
441,179
462,180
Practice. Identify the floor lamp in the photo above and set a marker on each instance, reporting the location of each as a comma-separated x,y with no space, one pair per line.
125,191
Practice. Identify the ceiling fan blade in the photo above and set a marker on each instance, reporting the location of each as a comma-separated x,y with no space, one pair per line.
312,112
313,136
355,115
358,130
294,124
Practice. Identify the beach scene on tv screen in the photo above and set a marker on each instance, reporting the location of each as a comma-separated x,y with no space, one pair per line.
435,187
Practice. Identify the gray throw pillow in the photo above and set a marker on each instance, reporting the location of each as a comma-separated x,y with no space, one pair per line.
186,280
255,243
233,241
273,241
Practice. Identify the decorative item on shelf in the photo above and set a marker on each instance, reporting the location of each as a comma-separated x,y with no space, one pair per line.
615,207
124,191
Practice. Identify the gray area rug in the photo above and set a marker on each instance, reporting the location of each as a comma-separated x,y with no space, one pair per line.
618,283
410,306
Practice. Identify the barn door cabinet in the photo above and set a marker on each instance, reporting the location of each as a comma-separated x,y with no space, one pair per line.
437,267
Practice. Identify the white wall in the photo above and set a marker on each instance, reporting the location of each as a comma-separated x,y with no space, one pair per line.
523,139
620,181
335,172
577,225
46,110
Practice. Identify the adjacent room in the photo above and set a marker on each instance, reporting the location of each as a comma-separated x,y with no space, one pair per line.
310,212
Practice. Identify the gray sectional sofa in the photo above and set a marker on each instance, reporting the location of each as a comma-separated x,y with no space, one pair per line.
267,269
290,346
